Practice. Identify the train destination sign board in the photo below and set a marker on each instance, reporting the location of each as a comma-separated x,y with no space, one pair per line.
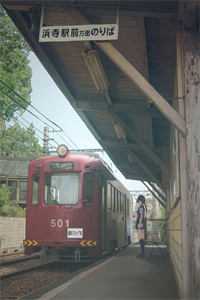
61,165
72,33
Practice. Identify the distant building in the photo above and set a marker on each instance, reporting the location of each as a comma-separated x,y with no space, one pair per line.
14,174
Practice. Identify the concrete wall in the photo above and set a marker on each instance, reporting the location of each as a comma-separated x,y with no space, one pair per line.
12,234
184,244
175,242
174,212
192,80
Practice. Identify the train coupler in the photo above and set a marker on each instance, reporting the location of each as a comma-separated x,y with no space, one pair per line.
77,255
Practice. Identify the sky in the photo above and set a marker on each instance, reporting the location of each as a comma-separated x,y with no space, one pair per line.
49,100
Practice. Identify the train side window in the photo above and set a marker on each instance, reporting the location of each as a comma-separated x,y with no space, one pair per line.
35,190
127,206
120,202
109,199
123,202
115,202
88,187
112,197
118,207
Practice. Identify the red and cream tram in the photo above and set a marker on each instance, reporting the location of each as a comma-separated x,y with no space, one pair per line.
75,207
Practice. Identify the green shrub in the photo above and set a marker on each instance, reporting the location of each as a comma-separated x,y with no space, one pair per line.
7,208
4,196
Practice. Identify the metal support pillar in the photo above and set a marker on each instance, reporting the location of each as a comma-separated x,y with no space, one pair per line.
46,140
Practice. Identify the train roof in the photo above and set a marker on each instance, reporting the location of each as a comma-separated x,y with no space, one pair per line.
70,157
83,158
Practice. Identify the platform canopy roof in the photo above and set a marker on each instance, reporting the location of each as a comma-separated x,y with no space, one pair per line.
123,89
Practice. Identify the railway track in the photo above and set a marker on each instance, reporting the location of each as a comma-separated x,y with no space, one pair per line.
27,278
15,258
28,282
19,265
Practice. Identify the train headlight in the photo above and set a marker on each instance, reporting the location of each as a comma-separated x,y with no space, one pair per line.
62,150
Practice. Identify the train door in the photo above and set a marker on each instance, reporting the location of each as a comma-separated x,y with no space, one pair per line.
33,208
103,214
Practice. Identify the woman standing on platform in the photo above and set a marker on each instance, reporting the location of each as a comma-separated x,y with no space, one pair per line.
141,223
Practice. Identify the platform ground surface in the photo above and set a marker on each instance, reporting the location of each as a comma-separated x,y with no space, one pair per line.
123,276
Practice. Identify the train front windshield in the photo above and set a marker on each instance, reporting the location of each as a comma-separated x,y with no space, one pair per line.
61,189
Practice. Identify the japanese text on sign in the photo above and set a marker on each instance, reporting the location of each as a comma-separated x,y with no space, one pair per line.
79,33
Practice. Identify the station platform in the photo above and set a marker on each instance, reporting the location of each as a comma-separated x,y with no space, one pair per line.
123,276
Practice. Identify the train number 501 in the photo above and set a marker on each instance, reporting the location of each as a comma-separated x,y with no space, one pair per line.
59,223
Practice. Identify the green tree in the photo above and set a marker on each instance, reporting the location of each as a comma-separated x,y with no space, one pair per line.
14,66
17,141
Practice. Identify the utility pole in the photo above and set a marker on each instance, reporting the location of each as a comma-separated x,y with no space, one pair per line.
46,140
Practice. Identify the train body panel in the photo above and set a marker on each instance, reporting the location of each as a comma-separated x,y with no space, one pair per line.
75,204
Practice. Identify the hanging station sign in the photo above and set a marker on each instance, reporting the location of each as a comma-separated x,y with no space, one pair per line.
74,33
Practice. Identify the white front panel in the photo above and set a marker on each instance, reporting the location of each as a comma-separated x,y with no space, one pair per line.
74,233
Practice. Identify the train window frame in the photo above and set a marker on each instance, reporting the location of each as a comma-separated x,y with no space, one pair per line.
115,201
22,191
91,196
109,196
123,202
32,190
49,191
125,205
120,202
113,197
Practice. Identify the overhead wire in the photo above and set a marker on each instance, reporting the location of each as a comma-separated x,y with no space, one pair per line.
16,118
13,139
28,128
35,129
69,141
29,123
34,115
27,103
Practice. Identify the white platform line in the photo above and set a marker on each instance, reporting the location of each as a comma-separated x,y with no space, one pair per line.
53,293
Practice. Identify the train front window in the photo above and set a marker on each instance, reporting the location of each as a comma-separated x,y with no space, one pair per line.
35,190
62,189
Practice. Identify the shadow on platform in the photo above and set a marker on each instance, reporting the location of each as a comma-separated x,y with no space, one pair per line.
123,276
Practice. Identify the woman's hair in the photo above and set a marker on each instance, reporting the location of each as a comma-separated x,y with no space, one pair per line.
141,198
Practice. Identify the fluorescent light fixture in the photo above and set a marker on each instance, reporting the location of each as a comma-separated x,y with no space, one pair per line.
96,70
130,158
119,131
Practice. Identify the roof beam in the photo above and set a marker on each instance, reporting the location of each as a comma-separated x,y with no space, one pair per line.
133,157
139,80
97,106
103,108
149,152
154,194
160,194
115,144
